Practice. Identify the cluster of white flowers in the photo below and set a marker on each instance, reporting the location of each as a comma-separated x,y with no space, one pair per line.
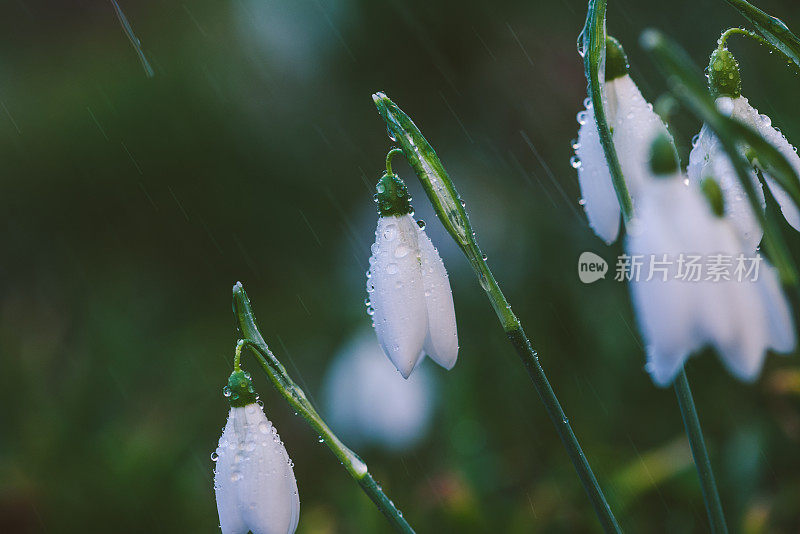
703,214
411,304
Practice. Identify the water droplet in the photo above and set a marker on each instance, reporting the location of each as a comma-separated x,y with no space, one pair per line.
581,117
392,268
575,161
421,224
390,232
226,391
214,456
695,139
380,188
401,251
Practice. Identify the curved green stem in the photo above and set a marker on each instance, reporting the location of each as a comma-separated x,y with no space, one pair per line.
299,402
593,50
702,462
450,211
393,152
723,38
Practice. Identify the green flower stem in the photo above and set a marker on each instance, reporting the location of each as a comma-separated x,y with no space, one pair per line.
686,83
299,402
450,211
592,44
702,462
723,38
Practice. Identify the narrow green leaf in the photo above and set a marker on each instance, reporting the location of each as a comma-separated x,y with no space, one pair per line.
592,46
429,169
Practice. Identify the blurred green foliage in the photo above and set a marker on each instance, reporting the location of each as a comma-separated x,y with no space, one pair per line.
131,205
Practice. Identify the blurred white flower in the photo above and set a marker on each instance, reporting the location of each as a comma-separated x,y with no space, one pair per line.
408,289
368,403
708,158
633,125
741,319
253,480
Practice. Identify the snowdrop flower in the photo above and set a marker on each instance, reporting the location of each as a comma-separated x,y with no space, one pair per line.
254,482
368,403
708,158
633,124
409,294
741,319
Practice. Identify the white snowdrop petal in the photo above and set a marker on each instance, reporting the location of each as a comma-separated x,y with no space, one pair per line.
398,297
763,125
665,308
597,189
743,347
777,312
441,342
230,518
700,155
254,480
709,160
635,125
268,491
787,205
737,204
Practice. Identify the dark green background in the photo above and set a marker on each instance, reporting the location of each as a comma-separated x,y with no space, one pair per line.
129,206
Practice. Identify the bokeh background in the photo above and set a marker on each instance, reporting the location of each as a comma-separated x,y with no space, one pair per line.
131,205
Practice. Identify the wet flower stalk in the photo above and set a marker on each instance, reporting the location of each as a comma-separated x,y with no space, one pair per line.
297,399
451,211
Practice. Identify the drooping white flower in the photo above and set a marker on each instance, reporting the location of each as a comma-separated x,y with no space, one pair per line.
741,317
633,124
369,403
708,158
253,480
408,288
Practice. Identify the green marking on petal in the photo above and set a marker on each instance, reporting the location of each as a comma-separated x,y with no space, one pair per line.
616,59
